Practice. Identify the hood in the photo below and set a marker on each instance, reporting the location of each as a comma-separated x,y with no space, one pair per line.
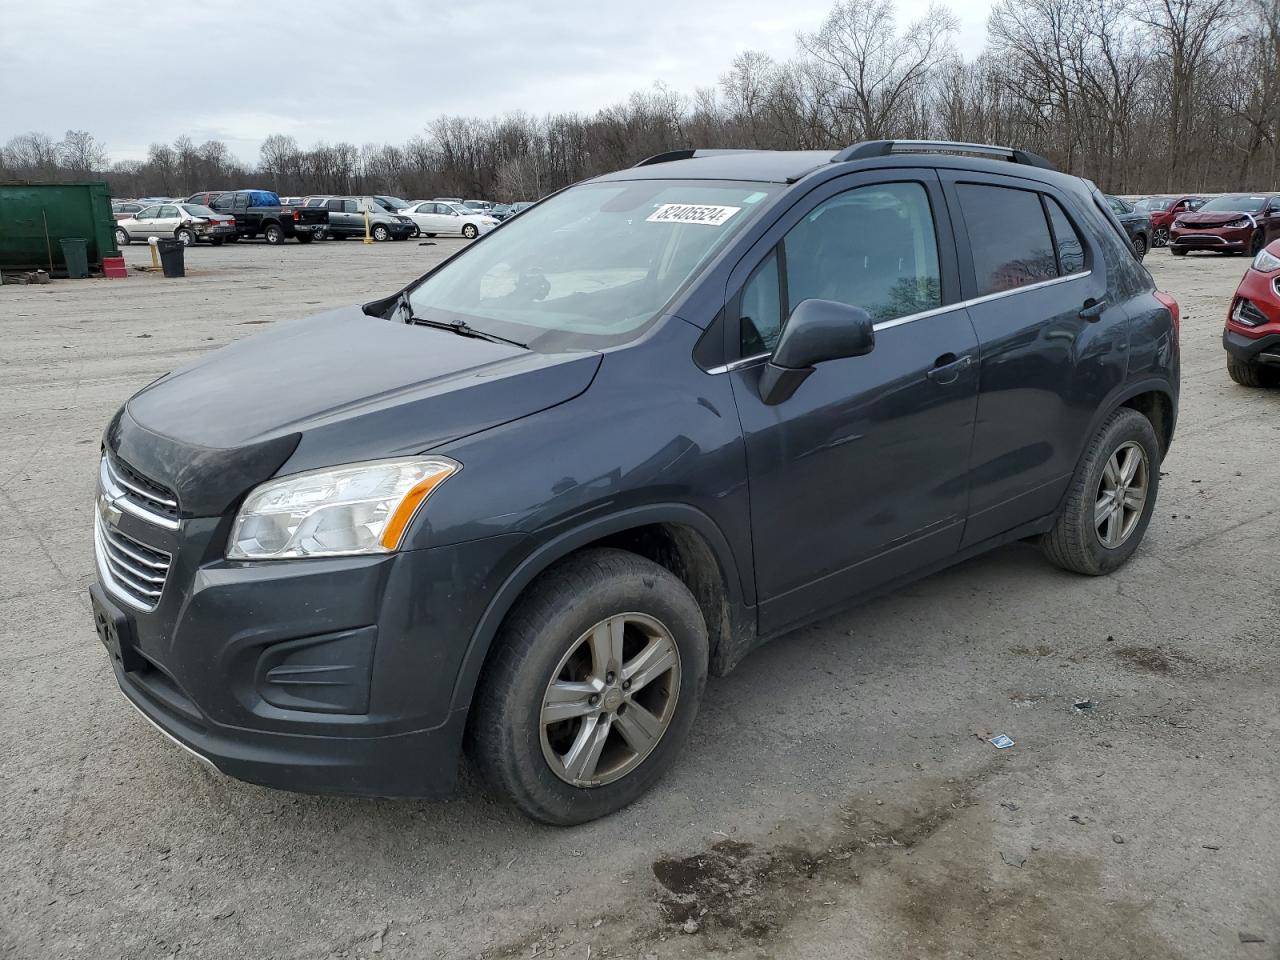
353,387
1214,218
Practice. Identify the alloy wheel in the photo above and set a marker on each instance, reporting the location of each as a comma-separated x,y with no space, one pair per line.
1122,494
1161,237
610,700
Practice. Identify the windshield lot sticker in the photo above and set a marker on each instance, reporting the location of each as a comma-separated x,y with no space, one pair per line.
711,216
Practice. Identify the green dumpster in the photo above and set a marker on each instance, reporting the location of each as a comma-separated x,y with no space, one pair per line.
75,253
36,217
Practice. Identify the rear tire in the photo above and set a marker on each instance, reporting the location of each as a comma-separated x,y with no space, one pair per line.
185,237
548,639
1251,374
1256,243
122,237
216,241
273,234
1077,541
1140,247
305,238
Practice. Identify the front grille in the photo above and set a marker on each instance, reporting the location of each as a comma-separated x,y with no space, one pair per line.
131,571
135,493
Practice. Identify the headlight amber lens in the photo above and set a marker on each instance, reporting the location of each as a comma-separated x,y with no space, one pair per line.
357,509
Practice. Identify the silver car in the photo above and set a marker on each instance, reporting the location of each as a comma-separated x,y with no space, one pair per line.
187,222
435,217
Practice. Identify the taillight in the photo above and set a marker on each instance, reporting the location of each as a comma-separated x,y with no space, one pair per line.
297,215
1172,304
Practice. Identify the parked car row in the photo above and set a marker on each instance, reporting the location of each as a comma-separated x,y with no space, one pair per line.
220,216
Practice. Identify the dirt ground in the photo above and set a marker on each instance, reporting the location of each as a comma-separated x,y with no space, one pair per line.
839,797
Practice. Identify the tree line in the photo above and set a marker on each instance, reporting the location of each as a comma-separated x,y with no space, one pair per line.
1140,96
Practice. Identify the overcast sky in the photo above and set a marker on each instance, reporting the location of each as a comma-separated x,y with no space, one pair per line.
134,72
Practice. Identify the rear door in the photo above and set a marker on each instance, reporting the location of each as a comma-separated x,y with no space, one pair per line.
1053,335
169,219
859,478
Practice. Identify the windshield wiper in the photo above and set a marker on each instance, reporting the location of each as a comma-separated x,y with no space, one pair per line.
460,327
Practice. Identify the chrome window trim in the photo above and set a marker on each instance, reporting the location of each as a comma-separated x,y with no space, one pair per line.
924,314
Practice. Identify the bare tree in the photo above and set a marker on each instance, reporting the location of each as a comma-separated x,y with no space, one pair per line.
81,154
874,71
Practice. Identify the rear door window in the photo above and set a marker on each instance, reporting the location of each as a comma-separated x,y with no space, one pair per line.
1008,235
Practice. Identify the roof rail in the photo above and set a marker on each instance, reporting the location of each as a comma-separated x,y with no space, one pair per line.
885,148
671,155
666,157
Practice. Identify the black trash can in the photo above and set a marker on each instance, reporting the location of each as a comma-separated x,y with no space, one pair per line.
171,259
75,251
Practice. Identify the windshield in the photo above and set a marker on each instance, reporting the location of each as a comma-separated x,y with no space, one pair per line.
392,203
1235,203
592,265
1152,204
198,211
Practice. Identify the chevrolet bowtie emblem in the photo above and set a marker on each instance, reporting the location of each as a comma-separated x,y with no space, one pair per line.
109,511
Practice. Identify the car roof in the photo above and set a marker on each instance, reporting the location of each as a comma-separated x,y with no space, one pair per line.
790,166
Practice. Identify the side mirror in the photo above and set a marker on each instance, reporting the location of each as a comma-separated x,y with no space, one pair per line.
817,330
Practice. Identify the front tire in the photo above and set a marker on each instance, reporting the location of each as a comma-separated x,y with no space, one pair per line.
591,687
1161,238
1256,243
380,233
1112,495
273,234
1251,374
470,231
1178,251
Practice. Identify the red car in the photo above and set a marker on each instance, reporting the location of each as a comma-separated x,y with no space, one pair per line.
1252,336
1231,223
1163,211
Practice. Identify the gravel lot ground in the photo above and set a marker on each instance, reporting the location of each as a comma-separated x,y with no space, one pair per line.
835,801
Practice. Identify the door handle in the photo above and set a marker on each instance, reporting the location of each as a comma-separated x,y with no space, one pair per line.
1092,309
948,367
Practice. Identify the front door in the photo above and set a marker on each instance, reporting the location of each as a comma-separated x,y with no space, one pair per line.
144,223
860,477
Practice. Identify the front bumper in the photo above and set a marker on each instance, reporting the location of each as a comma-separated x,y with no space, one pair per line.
1264,349
1232,239
320,676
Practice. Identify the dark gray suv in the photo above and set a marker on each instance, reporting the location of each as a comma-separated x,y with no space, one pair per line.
526,505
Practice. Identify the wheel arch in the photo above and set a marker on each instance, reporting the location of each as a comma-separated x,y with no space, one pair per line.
1153,397
678,537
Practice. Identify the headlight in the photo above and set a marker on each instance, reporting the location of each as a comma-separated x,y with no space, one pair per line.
359,508
1241,222
1179,224
1265,262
